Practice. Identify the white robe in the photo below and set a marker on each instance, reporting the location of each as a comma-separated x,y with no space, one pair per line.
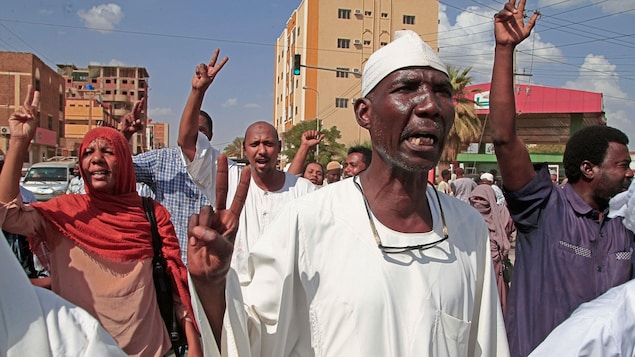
261,206
604,326
321,286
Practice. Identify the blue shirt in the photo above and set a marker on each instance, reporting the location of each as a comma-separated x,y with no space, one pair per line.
565,256
164,171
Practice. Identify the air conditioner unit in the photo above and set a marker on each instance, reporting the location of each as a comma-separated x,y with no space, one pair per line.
4,130
357,42
356,70
358,12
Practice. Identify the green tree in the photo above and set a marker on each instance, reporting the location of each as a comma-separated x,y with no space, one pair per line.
467,127
235,149
330,149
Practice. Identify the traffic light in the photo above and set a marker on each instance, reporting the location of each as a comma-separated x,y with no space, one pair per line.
296,64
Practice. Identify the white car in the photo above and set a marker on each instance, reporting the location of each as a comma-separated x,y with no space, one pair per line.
49,179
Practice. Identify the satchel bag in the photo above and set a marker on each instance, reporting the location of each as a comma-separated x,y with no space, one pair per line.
163,285
508,270
508,267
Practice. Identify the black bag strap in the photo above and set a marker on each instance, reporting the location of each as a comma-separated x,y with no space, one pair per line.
157,244
148,206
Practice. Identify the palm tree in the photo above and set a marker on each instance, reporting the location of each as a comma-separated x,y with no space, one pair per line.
235,149
467,127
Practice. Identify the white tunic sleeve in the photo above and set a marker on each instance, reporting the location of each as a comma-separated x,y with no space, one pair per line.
203,170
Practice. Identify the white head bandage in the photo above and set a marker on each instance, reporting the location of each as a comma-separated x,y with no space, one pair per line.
406,50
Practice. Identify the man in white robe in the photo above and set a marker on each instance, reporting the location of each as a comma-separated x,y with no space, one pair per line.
377,265
269,188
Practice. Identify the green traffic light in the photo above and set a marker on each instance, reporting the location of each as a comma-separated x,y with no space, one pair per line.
296,64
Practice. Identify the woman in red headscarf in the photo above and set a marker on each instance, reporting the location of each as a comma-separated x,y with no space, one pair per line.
98,246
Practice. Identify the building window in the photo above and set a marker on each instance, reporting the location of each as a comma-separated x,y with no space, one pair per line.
343,43
68,80
342,72
366,42
108,80
382,44
341,102
132,93
94,80
124,92
50,122
409,19
343,13
108,92
124,81
384,14
368,13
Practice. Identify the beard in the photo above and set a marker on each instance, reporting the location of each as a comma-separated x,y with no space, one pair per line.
402,165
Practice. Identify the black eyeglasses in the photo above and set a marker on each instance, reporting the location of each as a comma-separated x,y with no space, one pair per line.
389,249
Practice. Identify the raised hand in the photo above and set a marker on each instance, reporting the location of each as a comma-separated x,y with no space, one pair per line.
131,121
311,138
509,26
22,122
205,73
212,233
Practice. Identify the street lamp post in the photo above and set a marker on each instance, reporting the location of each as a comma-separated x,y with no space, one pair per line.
317,117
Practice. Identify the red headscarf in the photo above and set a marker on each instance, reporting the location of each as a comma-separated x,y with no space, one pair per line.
115,226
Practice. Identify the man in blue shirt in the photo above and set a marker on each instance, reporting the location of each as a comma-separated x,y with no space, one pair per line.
568,251
164,170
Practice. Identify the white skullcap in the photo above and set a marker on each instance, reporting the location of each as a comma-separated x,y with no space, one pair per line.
487,176
406,50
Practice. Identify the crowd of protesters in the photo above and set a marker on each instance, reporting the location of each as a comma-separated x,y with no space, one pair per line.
363,256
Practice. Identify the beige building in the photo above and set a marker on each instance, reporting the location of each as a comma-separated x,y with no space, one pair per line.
83,113
116,88
334,39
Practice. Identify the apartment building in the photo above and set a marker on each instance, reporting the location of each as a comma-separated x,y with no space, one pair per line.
334,40
17,71
115,88
158,135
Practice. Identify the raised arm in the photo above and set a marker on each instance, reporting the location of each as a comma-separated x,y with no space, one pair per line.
211,244
188,129
310,139
23,126
512,155
131,121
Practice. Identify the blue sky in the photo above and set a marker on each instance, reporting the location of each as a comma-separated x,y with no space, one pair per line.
581,44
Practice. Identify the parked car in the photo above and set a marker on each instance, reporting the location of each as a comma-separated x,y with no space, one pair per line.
50,178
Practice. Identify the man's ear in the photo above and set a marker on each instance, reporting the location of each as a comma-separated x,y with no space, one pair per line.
363,107
586,167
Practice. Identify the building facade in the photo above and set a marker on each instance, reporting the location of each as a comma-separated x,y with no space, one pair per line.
334,40
82,114
116,88
18,71
158,135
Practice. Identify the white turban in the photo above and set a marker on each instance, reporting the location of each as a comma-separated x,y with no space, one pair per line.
406,50
487,176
